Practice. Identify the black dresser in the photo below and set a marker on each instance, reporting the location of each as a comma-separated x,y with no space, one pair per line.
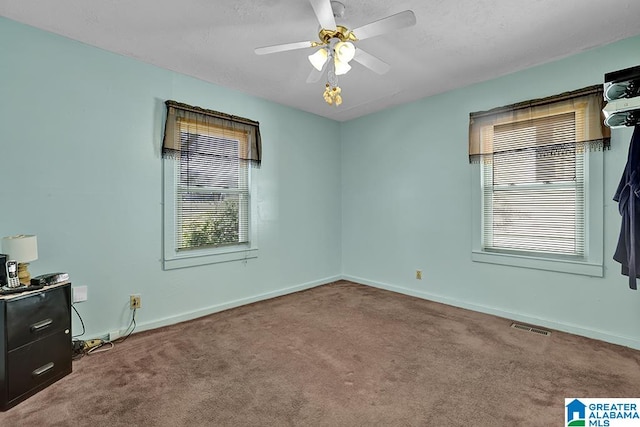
35,349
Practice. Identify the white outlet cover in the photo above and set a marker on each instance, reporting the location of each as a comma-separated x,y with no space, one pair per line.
80,293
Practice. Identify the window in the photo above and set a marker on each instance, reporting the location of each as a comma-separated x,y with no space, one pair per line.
539,183
208,187
533,199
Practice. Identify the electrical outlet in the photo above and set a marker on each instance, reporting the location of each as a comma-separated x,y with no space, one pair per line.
114,335
419,274
135,301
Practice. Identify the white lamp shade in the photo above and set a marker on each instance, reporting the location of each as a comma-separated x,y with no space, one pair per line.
22,248
341,67
345,51
318,59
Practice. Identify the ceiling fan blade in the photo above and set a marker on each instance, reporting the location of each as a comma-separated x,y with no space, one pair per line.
385,25
315,75
282,47
371,62
324,13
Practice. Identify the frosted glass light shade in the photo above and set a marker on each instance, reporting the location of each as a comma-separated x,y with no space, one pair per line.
341,67
319,58
22,248
345,51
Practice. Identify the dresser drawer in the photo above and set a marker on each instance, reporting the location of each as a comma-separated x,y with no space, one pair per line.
35,366
37,315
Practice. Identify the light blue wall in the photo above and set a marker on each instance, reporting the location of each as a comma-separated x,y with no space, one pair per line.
80,135
87,124
406,203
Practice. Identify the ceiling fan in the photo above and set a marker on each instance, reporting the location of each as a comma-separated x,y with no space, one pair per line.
337,47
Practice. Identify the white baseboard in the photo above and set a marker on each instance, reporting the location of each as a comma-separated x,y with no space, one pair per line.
170,320
548,323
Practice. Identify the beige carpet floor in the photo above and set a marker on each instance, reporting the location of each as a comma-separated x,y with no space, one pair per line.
337,355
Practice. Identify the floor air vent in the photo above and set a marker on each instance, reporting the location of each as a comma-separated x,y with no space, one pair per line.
531,329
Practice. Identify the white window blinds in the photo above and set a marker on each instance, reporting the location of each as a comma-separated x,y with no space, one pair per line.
533,197
212,196
213,152
533,158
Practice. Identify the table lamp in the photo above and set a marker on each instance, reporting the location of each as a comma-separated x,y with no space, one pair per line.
24,249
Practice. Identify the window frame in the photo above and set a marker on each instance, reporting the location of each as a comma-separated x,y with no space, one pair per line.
591,264
173,258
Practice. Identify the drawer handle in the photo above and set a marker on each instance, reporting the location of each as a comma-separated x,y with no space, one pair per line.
41,325
42,369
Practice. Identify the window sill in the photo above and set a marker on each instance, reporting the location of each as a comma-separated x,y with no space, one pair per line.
584,268
192,260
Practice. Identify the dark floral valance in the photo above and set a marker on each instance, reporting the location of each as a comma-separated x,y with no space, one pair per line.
183,119
547,125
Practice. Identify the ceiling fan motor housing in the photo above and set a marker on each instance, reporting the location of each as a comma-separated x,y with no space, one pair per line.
341,33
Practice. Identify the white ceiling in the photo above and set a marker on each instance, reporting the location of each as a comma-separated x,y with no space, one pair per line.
455,42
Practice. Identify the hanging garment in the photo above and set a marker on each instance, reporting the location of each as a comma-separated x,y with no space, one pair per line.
628,198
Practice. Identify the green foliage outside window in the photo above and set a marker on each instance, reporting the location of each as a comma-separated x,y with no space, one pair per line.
218,227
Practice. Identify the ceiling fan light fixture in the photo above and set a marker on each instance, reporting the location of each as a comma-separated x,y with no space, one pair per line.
336,43
341,67
319,58
345,51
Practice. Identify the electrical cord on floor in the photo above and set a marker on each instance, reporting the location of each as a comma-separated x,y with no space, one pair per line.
77,349
77,346
99,348
132,325
81,322
81,348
